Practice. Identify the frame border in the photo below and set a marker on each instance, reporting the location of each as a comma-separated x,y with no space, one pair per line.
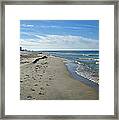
2,59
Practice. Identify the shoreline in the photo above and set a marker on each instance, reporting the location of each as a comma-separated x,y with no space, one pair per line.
66,62
49,79
80,78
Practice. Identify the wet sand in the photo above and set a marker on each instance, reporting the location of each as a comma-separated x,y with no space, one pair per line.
48,79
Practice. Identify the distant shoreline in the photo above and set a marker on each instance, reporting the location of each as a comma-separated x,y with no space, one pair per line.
61,50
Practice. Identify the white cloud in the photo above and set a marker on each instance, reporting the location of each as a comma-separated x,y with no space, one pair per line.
51,26
78,27
27,25
59,42
85,25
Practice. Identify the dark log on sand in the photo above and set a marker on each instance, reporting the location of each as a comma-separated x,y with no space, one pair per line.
36,60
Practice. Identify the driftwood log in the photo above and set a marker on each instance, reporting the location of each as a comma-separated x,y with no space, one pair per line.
36,60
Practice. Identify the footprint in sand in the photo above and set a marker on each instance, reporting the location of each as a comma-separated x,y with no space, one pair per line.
36,85
41,75
33,78
43,71
27,75
29,97
36,68
32,89
50,78
41,93
42,88
47,85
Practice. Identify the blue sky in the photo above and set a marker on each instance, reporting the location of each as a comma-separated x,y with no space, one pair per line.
59,34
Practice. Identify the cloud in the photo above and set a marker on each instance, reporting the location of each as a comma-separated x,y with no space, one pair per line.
78,27
87,26
59,42
51,26
26,25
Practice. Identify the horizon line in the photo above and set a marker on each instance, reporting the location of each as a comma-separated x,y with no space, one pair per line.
61,49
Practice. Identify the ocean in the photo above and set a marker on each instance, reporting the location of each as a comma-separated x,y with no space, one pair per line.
83,65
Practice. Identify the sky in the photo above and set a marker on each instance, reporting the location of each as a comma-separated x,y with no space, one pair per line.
59,34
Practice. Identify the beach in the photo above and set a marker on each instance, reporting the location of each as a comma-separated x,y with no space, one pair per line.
45,77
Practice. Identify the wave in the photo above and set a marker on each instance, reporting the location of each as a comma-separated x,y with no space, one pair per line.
88,59
86,72
87,78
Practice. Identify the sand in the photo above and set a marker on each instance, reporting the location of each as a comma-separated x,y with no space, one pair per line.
48,79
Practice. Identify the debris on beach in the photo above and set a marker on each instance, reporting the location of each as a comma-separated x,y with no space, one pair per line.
36,60
29,97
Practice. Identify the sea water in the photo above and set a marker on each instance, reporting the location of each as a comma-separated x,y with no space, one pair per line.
83,65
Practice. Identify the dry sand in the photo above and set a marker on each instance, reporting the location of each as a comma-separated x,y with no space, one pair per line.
48,79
